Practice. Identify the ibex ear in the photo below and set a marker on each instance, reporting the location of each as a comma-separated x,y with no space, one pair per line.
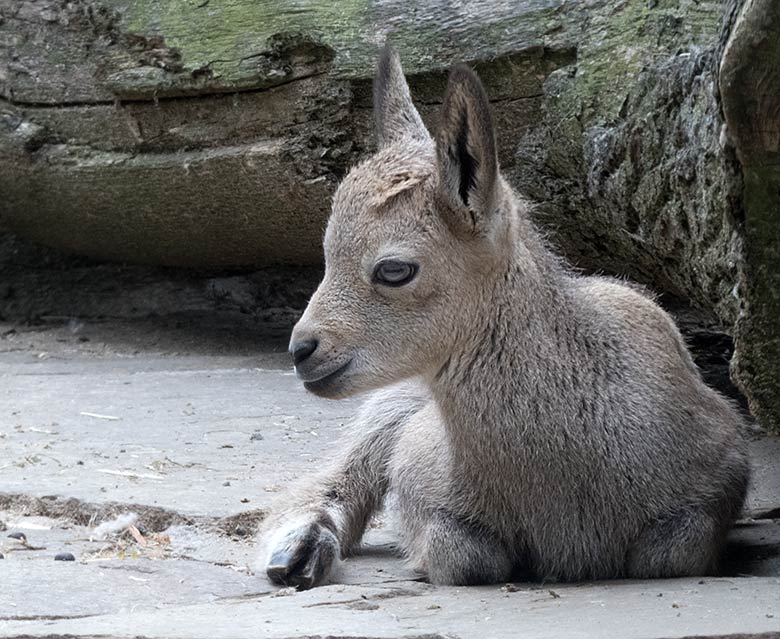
466,150
394,111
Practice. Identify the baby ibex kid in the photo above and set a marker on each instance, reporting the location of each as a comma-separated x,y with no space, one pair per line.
532,421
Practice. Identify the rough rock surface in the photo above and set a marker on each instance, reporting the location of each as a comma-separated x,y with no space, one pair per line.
750,85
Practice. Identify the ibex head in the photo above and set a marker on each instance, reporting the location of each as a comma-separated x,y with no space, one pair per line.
414,244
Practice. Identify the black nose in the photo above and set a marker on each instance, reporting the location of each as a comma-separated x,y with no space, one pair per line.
302,350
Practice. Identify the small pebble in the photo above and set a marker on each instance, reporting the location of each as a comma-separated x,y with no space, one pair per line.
19,536
244,500
256,436
64,556
226,483
2,556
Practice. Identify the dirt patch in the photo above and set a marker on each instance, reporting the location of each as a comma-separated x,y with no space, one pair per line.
241,525
151,519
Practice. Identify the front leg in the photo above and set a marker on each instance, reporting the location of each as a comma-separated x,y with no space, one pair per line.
311,529
302,552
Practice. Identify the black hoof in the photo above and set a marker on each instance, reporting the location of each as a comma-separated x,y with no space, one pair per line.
304,557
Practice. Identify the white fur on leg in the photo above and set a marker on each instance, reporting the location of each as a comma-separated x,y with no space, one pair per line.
281,537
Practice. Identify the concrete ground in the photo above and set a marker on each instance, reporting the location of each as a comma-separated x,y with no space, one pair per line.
196,425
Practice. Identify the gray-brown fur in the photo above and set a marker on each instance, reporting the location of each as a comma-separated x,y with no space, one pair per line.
532,421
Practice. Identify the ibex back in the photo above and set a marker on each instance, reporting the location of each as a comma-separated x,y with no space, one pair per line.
532,421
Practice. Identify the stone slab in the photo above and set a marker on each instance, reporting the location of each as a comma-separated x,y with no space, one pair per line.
198,437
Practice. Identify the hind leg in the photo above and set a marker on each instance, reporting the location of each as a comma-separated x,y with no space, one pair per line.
455,554
691,540
687,543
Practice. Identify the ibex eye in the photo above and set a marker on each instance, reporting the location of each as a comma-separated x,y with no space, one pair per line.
394,272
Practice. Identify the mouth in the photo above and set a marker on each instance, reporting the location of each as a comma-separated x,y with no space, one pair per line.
323,384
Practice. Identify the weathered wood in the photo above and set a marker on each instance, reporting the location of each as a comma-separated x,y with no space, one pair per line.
142,49
100,143
213,132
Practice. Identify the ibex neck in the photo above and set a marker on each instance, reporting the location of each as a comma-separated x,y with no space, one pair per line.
511,360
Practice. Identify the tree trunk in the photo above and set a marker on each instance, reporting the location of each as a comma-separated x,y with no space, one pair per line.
213,132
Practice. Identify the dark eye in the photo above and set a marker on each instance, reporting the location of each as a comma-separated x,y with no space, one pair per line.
394,272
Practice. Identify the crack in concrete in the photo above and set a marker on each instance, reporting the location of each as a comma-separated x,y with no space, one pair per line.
43,617
392,593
